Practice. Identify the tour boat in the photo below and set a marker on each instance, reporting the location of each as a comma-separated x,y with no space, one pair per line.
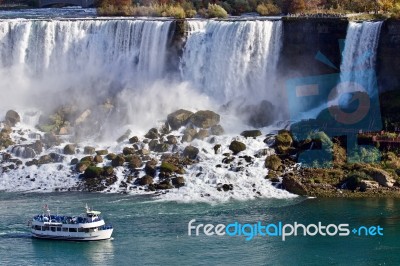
78,228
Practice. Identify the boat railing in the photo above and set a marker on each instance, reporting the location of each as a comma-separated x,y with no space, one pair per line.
65,219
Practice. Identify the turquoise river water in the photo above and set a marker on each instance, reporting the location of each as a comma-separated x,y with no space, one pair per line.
152,232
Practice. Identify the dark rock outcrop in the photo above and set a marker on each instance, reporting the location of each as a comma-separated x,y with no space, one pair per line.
205,119
178,118
237,146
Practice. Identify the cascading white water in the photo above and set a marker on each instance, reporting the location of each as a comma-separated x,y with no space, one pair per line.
44,62
232,60
359,55
94,56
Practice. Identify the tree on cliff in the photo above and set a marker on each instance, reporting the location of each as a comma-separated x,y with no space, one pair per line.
296,6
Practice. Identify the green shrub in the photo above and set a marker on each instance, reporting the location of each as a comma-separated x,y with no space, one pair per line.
268,9
216,11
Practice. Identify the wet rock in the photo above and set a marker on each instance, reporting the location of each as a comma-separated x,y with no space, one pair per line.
381,176
82,166
259,115
366,185
190,152
23,151
128,150
33,162
74,161
45,159
57,158
151,167
293,184
118,161
50,139
12,117
202,134
273,162
167,167
146,180
205,119
93,172
217,130
111,156
153,144
164,185
108,171
98,159
251,133
224,187
135,162
172,140
102,152
143,152
178,181
237,146
152,134
217,148
37,146
89,150
134,139
179,118
69,149
162,147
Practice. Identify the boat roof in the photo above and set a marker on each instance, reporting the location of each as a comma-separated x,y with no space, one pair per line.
93,212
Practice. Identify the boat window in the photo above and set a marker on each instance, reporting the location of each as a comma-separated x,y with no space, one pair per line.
59,229
65,229
81,229
37,227
53,229
72,230
45,228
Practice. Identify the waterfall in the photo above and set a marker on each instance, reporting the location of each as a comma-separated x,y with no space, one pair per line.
232,60
359,55
94,56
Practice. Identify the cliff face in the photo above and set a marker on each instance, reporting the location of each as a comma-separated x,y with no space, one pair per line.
388,57
303,39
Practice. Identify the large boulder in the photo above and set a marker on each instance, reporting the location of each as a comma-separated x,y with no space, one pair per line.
237,146
260,115
146,180
151,167
50,139
366,185
93,172
178,181
381,176
152,134
273,162
12,117
205,119
23,151
178,118
251,133
190,152
217,130
118,161
135,162
89,150
292,183
69,149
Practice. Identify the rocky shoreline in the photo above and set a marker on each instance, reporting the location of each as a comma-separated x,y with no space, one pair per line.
159,161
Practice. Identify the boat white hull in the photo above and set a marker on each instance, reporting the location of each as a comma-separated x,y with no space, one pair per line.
78,236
